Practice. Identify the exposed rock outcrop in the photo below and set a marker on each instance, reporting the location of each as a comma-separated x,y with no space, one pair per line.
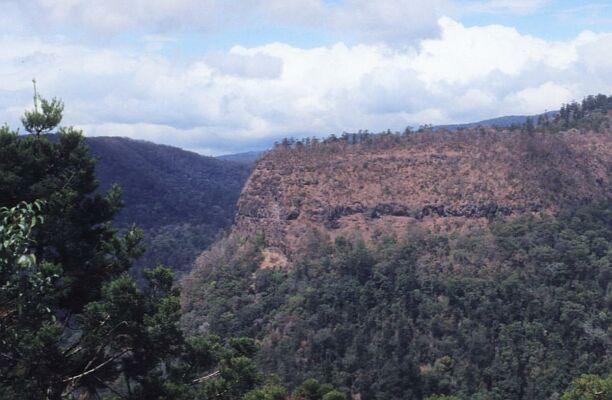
437,180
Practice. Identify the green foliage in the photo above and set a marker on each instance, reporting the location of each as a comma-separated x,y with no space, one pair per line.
177,245
73,323
589,115
515,311
311,389
267,392
590,387
181,200
334,395
76,234
26,288
47,119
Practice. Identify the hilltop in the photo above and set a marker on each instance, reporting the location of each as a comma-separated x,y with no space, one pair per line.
248,157
441,180
438,180
166,185
181,200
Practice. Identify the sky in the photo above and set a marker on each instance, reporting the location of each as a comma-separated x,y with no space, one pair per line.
227,76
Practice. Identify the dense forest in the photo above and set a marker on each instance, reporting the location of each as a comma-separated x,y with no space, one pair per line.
514,312
181,200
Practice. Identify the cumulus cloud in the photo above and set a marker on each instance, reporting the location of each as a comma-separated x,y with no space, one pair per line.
392,20
245,65
546,96
478,51
248,97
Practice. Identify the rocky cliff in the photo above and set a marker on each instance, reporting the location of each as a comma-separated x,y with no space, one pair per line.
442,181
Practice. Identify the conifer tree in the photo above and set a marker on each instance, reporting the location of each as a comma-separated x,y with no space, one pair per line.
73,322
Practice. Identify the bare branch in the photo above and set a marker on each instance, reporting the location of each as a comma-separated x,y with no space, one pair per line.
92,370
206,377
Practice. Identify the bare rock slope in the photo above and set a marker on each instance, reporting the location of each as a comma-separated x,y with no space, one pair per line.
437,180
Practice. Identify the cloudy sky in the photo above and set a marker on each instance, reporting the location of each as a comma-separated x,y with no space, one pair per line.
223,76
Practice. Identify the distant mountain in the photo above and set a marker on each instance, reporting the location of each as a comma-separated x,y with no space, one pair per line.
248,157
502,122
181,200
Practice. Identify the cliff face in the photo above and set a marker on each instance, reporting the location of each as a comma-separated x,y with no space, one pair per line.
440,181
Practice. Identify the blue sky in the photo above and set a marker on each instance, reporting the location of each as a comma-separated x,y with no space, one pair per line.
218,76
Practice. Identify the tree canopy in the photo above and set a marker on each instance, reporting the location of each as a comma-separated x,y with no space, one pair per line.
73,322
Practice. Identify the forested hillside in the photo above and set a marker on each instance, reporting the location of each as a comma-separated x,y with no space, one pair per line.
74,324
514,312
180,199
474,264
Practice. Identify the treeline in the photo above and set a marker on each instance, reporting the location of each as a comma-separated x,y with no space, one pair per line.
362,137
591,104
514,312
588,115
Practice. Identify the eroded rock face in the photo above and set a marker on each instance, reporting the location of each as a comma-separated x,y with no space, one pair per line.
436,180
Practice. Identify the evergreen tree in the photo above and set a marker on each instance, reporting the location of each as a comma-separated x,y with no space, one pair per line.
73,323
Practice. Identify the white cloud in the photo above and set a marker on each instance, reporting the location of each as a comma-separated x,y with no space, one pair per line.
392,20
507,6
249,97
462,54
246,65
547,96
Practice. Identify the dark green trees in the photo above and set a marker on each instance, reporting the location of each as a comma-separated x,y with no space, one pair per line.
515,311
77,234
47,119
73,323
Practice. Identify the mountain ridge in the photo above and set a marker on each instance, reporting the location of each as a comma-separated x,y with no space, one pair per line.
441,181
182,200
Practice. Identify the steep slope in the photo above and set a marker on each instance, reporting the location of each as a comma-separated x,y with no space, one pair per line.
441,181
182,200
473,263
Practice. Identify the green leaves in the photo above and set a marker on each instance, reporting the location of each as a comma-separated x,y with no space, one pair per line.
514,312
73,323
590,387
46,120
